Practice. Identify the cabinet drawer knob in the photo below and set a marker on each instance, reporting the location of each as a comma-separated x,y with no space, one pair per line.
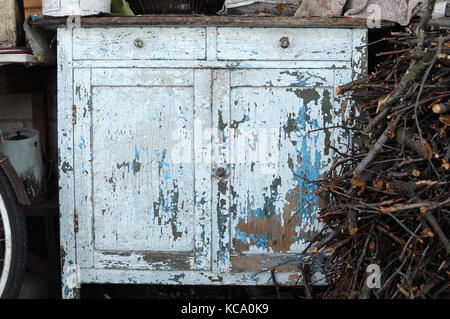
138,43
220,172
284,42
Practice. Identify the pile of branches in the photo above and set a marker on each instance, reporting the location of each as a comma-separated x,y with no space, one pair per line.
390,194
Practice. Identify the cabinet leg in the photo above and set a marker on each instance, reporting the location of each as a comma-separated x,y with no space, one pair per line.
70,279
50,227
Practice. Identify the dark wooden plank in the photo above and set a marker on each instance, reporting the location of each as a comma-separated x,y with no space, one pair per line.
259,262
195,20
48,208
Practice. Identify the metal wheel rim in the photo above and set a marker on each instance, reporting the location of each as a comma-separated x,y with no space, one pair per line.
5,246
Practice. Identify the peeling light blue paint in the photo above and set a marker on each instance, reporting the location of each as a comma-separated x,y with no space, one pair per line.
268,210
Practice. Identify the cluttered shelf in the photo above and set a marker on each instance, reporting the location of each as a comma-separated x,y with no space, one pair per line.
17,55
51,23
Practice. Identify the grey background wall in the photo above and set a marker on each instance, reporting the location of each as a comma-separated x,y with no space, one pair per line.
16,111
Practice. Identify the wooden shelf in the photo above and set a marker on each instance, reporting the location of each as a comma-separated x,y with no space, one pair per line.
51,23
18,58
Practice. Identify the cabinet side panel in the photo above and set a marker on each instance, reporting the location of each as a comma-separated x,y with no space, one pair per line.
69,274
83,166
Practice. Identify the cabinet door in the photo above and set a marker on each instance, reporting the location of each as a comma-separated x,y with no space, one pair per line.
274,144
140,198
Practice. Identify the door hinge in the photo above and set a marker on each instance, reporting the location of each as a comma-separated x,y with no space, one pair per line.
74,114
75,222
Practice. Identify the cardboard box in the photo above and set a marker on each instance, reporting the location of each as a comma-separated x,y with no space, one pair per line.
11,29
32,7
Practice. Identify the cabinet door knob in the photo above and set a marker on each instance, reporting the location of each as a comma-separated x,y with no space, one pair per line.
220,172
138,43
284,42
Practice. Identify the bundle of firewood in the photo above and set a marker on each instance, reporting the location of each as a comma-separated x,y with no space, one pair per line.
387,226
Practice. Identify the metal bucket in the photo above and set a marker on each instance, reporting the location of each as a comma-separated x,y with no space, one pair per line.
23,148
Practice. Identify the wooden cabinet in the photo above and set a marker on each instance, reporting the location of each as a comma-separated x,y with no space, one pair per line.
186,152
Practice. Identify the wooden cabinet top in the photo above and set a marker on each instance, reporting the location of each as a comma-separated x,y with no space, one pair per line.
197,20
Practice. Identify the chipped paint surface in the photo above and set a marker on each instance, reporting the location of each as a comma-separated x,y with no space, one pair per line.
312,44
196,173
273,205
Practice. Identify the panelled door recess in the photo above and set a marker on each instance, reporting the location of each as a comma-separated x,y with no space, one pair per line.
185,151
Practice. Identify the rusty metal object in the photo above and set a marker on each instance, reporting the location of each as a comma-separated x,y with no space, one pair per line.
14,180
284,42
138,43
221,172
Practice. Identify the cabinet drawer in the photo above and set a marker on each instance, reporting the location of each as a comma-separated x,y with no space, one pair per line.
150,43
313,44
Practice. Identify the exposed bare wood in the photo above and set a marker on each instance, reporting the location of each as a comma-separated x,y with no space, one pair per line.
441,108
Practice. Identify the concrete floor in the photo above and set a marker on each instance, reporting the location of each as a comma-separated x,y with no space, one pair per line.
36,281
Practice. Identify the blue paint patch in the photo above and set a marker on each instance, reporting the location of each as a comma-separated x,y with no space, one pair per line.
163,164
308,170
302,79
81,145
278,262
136,152
258,240
240,235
